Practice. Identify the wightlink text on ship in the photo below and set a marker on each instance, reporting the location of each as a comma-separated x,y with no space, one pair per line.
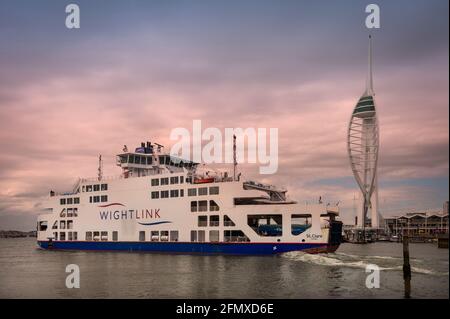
130,214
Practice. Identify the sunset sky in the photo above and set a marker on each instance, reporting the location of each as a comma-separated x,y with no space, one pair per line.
137,69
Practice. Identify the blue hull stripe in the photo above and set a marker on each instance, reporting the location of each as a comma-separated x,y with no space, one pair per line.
186,247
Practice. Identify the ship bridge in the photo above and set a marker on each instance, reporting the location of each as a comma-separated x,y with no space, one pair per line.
149,160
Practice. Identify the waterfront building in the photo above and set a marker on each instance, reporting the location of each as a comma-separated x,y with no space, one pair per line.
418,224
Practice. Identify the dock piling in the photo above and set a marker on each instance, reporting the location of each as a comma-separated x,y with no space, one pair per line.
406,267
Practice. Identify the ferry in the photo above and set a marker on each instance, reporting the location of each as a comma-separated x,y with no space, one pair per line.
166,204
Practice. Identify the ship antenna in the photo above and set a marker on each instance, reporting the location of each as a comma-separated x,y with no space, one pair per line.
100,167
369,83
234,158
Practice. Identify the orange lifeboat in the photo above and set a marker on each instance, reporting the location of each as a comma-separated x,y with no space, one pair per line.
204,180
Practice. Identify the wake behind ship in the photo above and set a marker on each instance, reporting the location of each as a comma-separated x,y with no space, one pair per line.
161,203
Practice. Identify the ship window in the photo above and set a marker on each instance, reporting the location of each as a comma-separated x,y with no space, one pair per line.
96,236
214,220
69,236
149,160
193,235
115,235
142,235
43,226
213,235
62,201
192,191
203,191
69,201
63,213
155,181
104,198
164,235
154,235
181,179
165,181
214,190
131,159
164,194
83,189
234,236
266,225
104,236
202,221
96,187
69,212
194,206
75,235
55,235
137,159
143,160
76,200
62,235
75,212
96,199
181,192
104,187
88,236
90,199
88,188
174,193
70,224
62,224
55,225
213,206
202,206
155,195
201,236
227,221
300,223
174,180
174,235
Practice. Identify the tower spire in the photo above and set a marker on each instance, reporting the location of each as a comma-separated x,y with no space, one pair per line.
369,83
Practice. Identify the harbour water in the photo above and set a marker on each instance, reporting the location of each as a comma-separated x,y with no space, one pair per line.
28,272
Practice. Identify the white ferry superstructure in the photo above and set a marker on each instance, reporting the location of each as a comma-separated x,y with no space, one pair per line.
161,203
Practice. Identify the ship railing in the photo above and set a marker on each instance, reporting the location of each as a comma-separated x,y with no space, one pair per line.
104,178
268,187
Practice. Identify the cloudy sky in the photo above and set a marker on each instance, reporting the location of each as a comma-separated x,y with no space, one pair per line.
137,69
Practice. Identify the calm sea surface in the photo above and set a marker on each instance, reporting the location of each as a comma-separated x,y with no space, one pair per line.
28,272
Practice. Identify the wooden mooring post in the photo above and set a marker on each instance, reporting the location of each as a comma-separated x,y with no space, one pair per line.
406,267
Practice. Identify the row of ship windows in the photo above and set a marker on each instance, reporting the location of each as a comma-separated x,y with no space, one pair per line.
213,190
98,199
228,236
202,206
63,224
94,188
69,201
180,192
69,212
62,235
165,194
156,236
214,220
165,180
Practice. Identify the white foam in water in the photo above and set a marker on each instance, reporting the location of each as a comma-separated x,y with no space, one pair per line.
328,260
